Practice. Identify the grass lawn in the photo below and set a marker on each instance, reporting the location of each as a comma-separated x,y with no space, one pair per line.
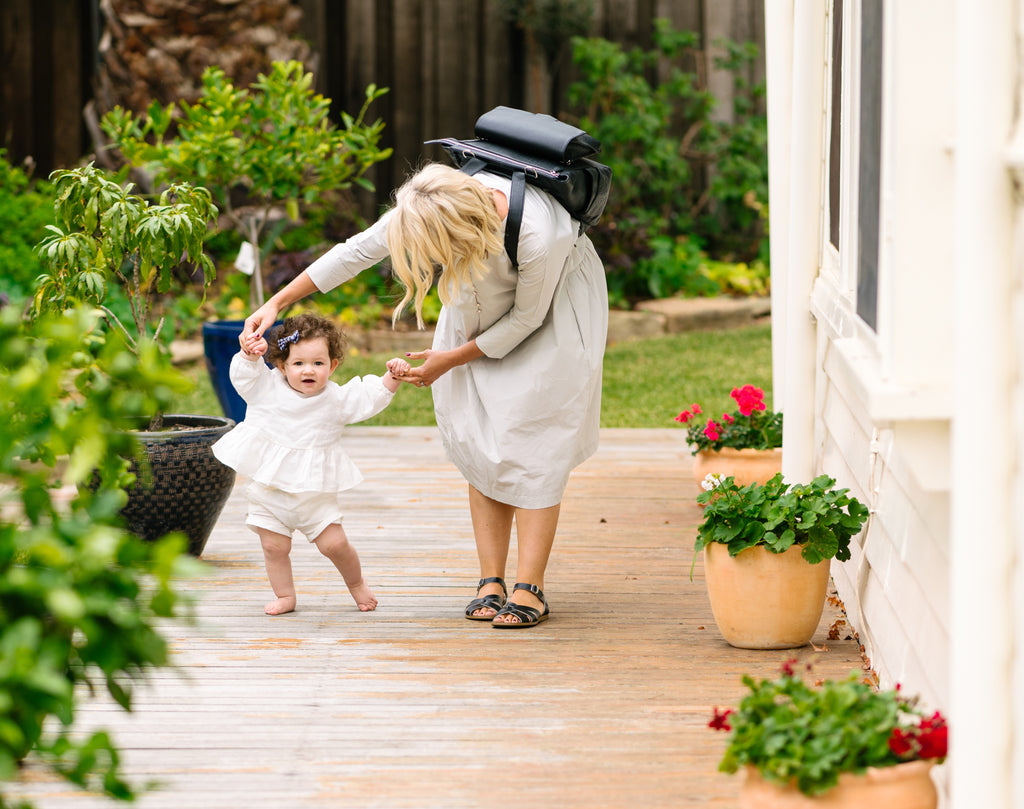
646,382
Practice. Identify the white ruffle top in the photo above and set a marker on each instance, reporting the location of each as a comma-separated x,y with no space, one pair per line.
291,441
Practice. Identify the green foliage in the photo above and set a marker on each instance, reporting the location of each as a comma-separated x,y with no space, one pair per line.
80,597
792,732
816,516
105,235
25,210
675,266
738,278
273,140
678,173
750,426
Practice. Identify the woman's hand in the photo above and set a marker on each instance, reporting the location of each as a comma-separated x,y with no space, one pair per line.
256,324
438,363
435,364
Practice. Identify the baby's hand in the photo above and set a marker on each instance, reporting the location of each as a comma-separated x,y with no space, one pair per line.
252,346
398,367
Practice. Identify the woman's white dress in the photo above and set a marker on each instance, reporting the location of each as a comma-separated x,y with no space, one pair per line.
518,420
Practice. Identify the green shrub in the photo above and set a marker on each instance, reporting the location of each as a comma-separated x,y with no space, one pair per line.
80,597
683,183
26,208
268,153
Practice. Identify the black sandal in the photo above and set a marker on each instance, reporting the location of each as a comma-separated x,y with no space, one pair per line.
528,616
492,601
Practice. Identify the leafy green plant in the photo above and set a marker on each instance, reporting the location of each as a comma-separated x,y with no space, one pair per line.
80,597
793,732
750,426
815,516
738,277
26,208
675,266
678,172
107,235
273,142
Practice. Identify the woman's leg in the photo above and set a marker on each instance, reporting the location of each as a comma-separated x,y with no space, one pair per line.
492,527
333,544
276,550
535,533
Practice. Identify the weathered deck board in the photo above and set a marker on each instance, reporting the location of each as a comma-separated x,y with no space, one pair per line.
605,705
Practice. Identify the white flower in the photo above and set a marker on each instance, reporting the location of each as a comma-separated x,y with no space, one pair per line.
711,481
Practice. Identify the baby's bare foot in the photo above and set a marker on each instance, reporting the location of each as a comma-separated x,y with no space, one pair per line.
365,599
279,606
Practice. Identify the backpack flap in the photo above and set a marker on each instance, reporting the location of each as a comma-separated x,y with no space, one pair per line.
582,188
535,133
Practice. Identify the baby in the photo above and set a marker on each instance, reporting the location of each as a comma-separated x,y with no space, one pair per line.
289,446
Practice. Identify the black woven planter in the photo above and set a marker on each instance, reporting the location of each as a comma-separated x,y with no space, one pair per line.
188,486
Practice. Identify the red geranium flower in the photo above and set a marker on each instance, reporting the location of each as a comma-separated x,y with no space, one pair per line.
933,737
749,399
711,431
720,721
901,742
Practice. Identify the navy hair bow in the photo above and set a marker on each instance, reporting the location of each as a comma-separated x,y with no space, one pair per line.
291,338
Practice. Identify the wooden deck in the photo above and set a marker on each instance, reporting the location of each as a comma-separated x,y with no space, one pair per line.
605,705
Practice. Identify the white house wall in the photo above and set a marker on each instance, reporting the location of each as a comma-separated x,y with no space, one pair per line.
881,399
923,416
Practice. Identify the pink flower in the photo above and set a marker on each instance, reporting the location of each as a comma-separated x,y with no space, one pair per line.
684,417
711,431
720,721
696,409
728,419
749,399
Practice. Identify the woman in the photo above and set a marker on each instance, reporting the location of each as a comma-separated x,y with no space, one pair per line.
515,366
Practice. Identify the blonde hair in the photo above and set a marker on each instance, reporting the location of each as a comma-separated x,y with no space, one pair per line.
442,217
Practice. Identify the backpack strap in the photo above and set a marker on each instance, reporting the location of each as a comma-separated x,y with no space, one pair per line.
517,198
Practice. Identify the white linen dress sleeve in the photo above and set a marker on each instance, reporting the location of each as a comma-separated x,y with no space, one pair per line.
346,260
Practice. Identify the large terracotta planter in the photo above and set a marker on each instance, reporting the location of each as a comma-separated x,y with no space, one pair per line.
905,786
765,600
745,465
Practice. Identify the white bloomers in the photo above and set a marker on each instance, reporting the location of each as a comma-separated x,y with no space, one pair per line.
309,513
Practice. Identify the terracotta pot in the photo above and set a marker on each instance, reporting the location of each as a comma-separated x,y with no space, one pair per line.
904,786
745,465
765,600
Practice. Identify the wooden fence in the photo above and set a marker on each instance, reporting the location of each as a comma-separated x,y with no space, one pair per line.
444,62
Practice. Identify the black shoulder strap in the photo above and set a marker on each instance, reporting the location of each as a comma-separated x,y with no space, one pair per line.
517,197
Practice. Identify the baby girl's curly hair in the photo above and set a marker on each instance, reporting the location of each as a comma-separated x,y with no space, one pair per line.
308,326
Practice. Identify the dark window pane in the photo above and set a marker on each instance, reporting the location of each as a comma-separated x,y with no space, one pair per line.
870,160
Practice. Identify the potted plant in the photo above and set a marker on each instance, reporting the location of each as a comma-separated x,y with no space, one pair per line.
83,602
766,554
106,236
836,744
268,153
746,443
